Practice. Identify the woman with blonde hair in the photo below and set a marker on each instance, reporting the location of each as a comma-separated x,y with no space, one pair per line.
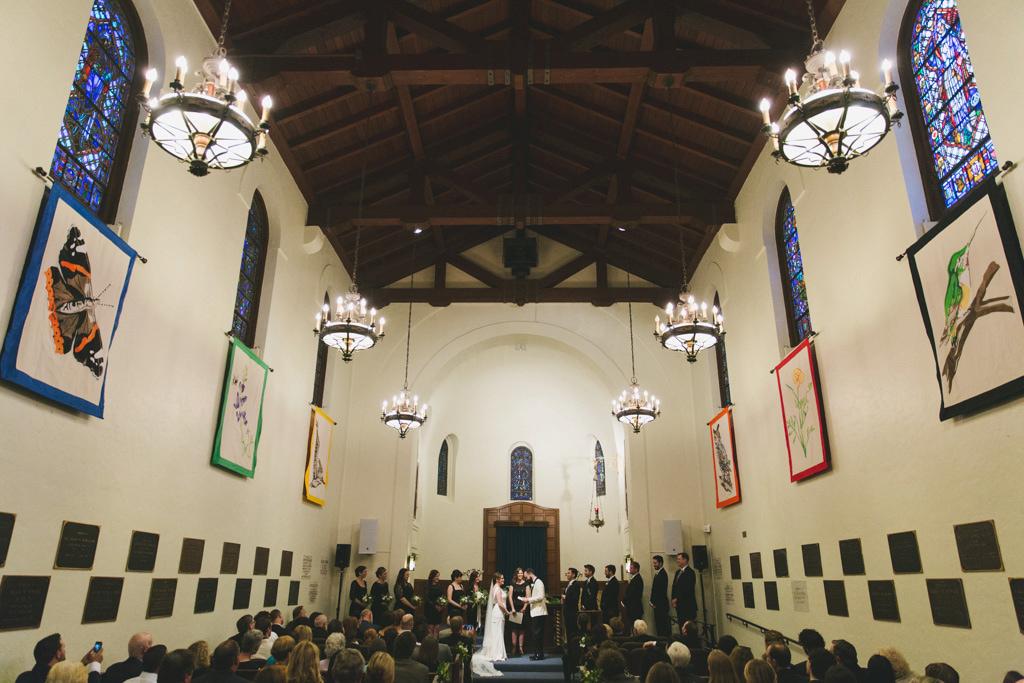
67,672
302,633
720,669
900,667
304,663
380,668
201,653
759,671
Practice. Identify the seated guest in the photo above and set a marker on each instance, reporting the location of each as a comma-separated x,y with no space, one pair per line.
726,644
304,663
350,627
245,623
720,669
679,656
334,644
780,659
691,636
771,637
809,640
348,667
334,626
201,655
407,623
739,657
131,667
67,672
264,626
612,664
458,635
640,632
652,656
900,668
943,672
277,622
177,667
758,671
281,649
302,632
662,672
272,674
846,654
408,670
223,665
50,651
428,653
838,673
150,664
372,643
319,629
879,670
819,661
300,617
380,668
247,659
618,627
365,622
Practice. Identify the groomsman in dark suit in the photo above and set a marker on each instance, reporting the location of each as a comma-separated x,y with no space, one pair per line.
571,600
610,594
659,598
589,599
684,590
633,601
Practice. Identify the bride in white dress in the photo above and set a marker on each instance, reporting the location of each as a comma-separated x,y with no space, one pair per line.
493,649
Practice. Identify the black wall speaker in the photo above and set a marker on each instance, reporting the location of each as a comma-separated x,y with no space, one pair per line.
342,555
700,557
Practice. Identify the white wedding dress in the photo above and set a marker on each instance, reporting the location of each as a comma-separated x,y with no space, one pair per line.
493,649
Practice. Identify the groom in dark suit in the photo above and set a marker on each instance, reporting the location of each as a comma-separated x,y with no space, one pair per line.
684,590
659,598
589,599
610,595
571,601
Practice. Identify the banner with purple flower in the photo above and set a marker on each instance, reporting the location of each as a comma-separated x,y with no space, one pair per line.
241,410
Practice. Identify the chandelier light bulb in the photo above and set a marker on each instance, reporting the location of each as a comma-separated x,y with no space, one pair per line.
844,63
887,72
241,98
180,67
147,86
232,80
766,116
266,103
791,81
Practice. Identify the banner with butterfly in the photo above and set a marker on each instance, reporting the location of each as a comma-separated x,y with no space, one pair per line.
68,306
318,455
241,410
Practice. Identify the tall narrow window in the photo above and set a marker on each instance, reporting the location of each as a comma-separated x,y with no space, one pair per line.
320,372
522,473
442,469
724,389
250,275
600,483
951,133
96,133
791,265
416,494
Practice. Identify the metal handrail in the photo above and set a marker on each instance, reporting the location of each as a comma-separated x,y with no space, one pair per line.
746,622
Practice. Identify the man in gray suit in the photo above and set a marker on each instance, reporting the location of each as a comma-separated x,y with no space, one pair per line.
407,669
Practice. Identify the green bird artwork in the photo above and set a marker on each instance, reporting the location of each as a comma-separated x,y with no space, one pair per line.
957,289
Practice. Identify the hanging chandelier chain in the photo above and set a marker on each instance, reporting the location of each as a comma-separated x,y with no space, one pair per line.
675,180
408,327
359,215
224,27
632,351
814,23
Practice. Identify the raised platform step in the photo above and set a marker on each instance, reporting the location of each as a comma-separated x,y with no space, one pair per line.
551,663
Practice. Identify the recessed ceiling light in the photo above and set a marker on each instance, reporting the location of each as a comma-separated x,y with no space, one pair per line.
417,231
622,228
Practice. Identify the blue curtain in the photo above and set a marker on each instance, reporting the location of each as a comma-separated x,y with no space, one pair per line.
522,546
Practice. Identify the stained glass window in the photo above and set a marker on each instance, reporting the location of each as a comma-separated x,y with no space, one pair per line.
600,485
320,370
95,134
250,275
792,267
442,469
416,494
522,473
960,147
724,388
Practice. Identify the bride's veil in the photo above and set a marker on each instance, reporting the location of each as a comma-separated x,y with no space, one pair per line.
490,604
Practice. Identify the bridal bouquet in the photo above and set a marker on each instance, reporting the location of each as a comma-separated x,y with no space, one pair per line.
474,599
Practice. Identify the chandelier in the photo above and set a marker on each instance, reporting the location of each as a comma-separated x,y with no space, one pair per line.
206,127
405,412
596,521
838,120
634,406
353,327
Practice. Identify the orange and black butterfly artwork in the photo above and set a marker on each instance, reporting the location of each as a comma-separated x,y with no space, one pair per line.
72,305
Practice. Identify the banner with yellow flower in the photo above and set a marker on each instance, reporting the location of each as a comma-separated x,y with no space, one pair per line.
802,415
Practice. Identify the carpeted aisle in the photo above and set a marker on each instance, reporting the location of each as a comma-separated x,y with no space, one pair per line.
523,670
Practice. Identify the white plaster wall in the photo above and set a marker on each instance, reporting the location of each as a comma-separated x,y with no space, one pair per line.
146,465
895,466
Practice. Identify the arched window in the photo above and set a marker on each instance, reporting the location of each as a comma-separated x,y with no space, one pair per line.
96,134
954,147
320,372
791,266
724,389
600,483
442,469
250,275
521,463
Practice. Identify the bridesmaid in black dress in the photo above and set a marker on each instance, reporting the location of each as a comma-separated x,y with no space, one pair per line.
379,599
357,593
473,613
455,594
434,614
404,593
517,606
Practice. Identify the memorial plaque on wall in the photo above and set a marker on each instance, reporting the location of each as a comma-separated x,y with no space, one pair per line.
103,599
142,551
904,553
771,595
270,593
734,567
729,594
812,559
851,555
22,599
716,568
191,561
884,606
948,602
243,589
801,601
6,531
206,596
262,561
1017,594
756,571
748,594
978,547
286,563
781,563
229,558
293,592
77,546
835,599
161,598
314,591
